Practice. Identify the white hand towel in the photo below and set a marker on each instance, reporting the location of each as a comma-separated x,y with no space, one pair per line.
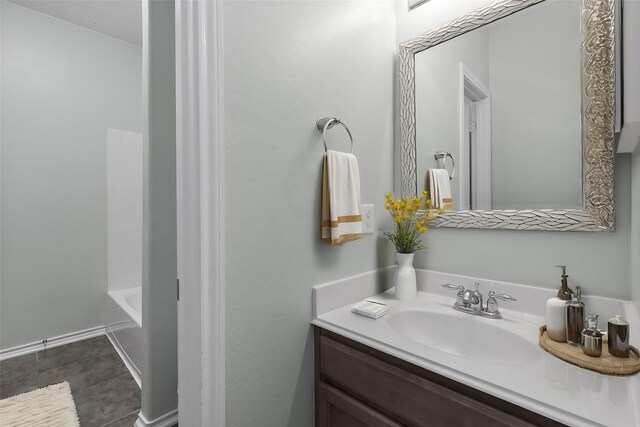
432,188
341,219
439,187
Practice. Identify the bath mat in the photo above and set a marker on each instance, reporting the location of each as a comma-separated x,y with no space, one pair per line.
51,406
605,364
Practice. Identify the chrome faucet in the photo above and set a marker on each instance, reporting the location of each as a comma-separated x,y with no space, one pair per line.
468,301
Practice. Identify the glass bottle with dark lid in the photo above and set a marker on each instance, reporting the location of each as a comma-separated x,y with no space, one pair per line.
618,336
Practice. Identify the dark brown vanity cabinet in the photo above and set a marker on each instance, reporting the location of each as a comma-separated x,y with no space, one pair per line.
359,386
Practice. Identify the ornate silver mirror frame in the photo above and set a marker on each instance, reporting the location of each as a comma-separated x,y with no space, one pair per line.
598,115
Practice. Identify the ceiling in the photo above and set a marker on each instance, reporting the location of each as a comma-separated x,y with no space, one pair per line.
121,19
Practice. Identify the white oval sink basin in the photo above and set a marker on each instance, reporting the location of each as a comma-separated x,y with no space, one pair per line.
465,336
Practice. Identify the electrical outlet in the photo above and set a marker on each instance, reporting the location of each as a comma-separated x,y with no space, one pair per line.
368,224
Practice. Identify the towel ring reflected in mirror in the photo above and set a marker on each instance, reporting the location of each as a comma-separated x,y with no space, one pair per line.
442,155
325,123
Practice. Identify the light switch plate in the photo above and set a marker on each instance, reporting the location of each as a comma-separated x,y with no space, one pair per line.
368,223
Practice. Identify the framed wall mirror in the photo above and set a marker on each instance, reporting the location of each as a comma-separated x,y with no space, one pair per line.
520,96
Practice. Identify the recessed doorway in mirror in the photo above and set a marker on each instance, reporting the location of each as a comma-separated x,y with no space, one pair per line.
504,100
520,95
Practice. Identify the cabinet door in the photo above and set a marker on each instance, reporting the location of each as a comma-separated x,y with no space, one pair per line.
405,396
337,409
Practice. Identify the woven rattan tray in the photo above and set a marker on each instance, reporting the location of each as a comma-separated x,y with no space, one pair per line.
605,364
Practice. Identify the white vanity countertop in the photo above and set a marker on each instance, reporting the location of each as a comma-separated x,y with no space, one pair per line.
549,386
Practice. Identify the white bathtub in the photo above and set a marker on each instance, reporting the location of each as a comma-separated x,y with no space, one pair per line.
124,327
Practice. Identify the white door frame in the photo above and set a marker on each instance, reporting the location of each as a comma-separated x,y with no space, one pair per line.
482,97
200,156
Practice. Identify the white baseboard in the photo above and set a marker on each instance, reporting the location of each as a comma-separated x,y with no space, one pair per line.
23,349
167,420
130,366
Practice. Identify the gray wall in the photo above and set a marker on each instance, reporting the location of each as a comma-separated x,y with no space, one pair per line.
286,64
634,253
598,261
631,113
534,68
62,87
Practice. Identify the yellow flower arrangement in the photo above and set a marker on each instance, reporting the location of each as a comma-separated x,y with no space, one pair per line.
409,221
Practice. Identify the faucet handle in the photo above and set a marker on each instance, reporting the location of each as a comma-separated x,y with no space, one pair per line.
503,297
492,304
460,290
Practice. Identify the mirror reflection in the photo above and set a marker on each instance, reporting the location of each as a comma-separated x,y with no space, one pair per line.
503,102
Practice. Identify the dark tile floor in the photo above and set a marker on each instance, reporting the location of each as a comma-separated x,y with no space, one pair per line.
104,391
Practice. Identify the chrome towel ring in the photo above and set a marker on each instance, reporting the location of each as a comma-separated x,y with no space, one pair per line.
325,123
442,155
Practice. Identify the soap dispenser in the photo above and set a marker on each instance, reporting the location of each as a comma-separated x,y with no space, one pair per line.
556,310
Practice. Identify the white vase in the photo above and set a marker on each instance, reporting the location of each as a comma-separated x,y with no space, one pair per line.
406,284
